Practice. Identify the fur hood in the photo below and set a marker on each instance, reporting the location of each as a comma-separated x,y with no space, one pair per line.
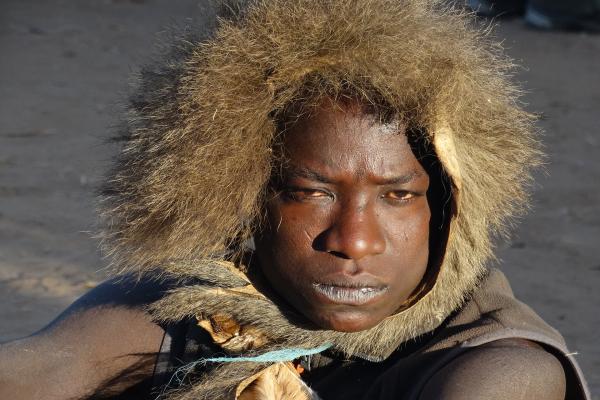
188,188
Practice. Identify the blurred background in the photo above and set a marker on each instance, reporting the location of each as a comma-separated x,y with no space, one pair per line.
65,70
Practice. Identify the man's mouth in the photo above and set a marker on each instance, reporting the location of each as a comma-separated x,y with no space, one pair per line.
350,295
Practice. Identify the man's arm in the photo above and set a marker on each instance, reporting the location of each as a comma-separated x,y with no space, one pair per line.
502,370
104,342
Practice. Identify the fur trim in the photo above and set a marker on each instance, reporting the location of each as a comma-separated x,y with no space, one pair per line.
190,182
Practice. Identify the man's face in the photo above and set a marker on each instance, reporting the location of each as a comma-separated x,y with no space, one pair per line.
347,236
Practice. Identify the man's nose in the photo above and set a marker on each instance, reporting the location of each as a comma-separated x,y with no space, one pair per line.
355,233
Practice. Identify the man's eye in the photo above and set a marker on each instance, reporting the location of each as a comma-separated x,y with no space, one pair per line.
400,195
305,194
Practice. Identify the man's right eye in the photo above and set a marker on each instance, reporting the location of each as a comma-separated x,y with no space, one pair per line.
305,194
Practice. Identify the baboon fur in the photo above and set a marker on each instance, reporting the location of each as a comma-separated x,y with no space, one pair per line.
188,188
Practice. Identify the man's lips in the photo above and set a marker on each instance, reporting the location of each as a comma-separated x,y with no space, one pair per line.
349,293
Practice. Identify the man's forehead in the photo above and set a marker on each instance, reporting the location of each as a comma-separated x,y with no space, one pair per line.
323,110
351,109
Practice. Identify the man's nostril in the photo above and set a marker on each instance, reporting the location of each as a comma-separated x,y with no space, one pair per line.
339,254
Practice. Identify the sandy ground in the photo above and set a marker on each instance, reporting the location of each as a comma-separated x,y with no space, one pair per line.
65,67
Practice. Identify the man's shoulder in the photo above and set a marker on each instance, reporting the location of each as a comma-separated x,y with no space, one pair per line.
504,369
129,291
105,339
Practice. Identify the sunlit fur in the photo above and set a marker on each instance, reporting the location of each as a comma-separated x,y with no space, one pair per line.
190,181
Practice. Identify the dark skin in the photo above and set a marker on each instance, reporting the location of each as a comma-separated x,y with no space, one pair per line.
354,228
350,211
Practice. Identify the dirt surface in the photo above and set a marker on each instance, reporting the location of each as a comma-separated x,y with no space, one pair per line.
65,67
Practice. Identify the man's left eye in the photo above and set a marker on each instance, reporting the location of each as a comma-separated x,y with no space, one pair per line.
402,195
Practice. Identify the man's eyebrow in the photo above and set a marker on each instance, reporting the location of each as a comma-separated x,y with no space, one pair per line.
400,180
295,172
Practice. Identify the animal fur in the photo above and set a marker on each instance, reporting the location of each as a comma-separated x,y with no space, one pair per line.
189,186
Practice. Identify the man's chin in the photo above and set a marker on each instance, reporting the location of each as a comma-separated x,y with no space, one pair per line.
346,321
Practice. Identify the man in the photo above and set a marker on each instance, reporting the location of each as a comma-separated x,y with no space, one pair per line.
304,209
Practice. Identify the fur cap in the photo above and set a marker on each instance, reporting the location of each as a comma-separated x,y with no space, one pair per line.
191,179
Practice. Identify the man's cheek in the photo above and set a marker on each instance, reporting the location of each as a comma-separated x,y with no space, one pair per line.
412,232
294,235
